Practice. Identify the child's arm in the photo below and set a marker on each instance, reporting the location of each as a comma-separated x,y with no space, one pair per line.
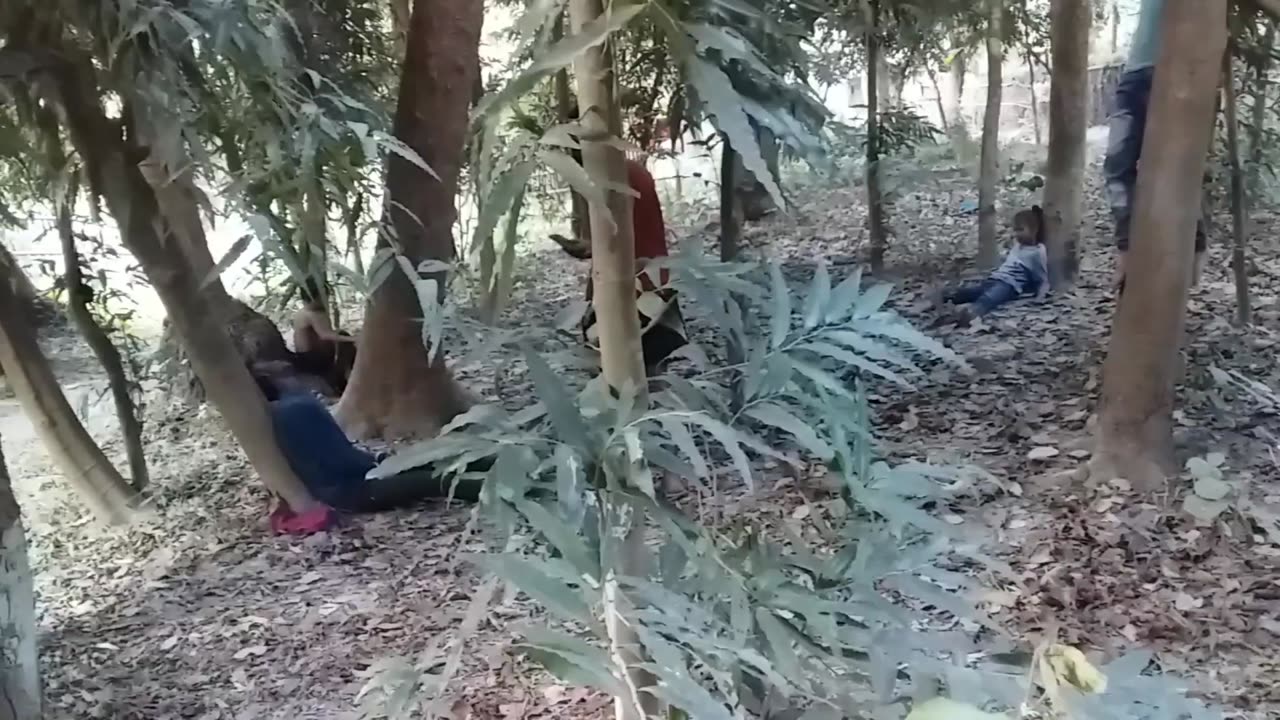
1043,258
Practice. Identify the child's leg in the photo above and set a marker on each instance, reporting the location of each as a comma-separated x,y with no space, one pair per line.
996,293
966,293
1124,147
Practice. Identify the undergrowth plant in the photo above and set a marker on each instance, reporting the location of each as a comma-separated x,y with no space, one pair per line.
847,613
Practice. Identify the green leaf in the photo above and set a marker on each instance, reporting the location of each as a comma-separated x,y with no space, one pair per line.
564,538
233,254
499,200
561,408
683,439
844,356
723,103
398,147
577,177
872,300
730,439
558,56
843,298
819,295
779,417
571,658
779,638
532,578
780,320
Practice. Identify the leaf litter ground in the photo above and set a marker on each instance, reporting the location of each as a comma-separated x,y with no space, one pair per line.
197,612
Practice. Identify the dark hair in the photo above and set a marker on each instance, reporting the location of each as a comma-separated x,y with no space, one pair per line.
265,384
1034,215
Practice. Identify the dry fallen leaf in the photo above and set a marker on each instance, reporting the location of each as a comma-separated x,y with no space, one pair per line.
1043,453
1071,667
948,709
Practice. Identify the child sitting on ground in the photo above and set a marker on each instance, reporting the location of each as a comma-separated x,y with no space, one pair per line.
1025,270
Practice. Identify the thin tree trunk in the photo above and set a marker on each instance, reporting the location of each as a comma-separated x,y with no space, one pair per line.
397,388
1239,212
1035,101
354,251
990,163
1115,27
1261,86
1069,22
69,445
1135,428
613,274
19,664
177,262
937,98
730,228
875,195
103,349
959,70
579,218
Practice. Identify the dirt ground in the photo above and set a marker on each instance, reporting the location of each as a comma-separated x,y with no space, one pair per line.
198,612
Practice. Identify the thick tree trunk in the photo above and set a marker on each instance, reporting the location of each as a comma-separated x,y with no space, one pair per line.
875,195
990,163
103,349
397,389
613,276
1068,123
19,665
1239,212
69,445
175,257
1135,428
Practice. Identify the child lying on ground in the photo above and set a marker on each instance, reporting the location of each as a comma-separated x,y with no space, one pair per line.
1025,270
334,469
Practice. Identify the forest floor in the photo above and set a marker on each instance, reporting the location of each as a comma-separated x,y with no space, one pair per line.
198,612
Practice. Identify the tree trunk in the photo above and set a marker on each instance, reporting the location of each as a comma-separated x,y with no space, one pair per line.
753,200
959,70
397,388
1239,213
875,195
990,163
579,218
69,445
40,309
730,228
1261,85
613,276
1135,428
1115,28
937,98
177,262
1069,22
1035,101
103,349
19,664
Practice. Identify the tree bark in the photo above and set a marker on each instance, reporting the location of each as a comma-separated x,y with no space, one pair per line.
103,349
958,70
1069,22
397,389
579,215
875,194
937,98
175,258
19,664
64,437
613,276
1239,211
730,227
990,163
1135,428
1035,101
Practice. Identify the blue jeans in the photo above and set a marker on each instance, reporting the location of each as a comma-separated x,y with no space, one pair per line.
1128,125
984,296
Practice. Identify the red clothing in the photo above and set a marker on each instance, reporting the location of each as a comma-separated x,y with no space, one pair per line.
646,219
